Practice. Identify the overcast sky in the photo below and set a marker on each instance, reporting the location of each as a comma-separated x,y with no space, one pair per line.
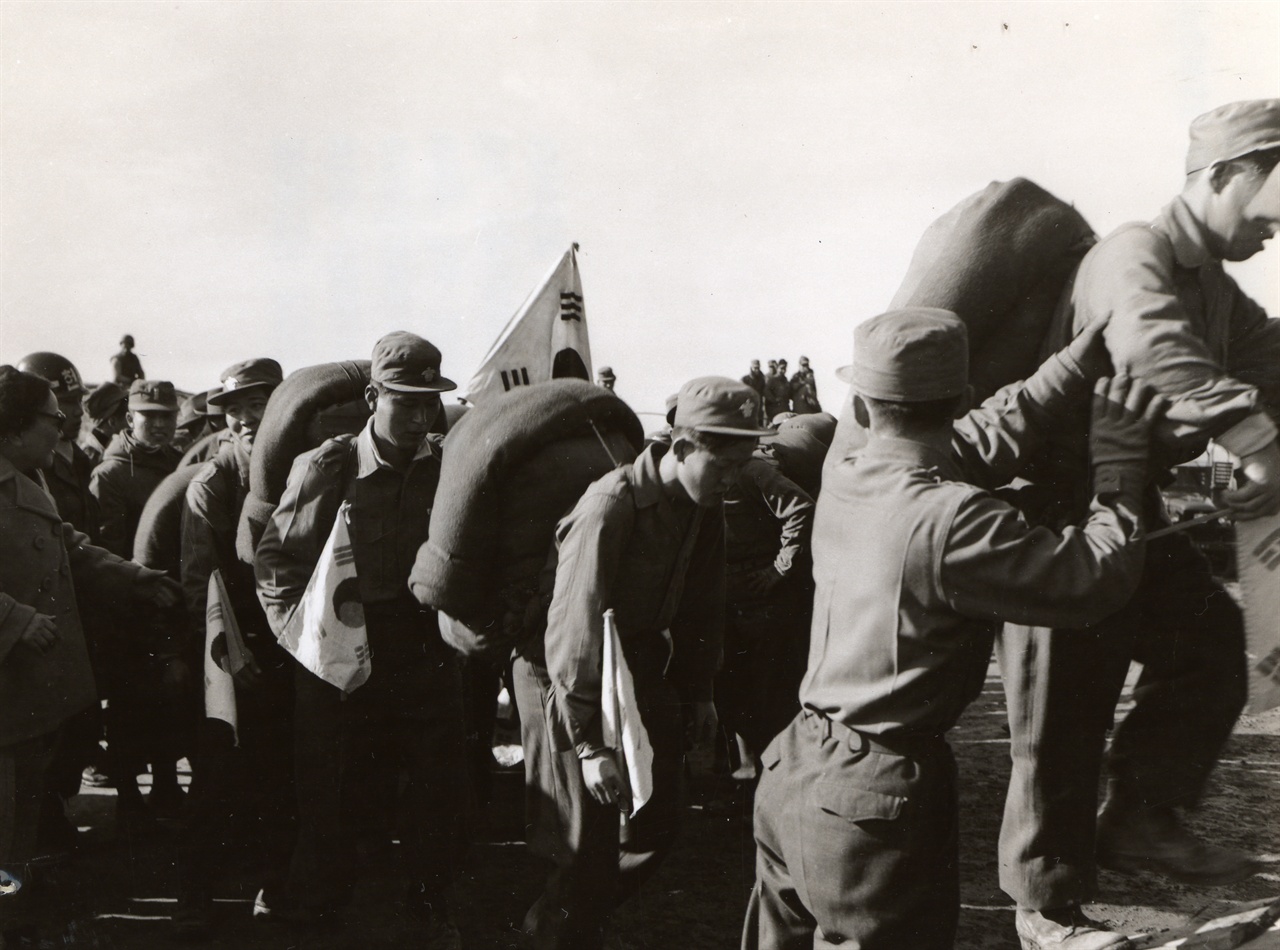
226,180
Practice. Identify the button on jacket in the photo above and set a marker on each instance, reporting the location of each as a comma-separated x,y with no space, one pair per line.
623,547
43,562
390,513
914,567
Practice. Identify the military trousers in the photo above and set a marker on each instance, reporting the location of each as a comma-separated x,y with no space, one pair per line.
351,752
597,861
1062,687
856,842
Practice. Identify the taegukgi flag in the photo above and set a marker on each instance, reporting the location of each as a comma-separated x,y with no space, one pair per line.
546,339
1258,566
326,632
623,730
225,655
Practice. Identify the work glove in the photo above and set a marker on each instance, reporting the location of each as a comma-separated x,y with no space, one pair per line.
1124,411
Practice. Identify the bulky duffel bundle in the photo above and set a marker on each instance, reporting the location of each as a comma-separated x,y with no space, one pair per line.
800,447
158,541
312,404
999,260
512,468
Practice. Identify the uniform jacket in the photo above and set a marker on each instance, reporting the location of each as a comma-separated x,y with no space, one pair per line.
123,481
44,563
804,392
126,367
768,519
1175,319
777,395
210,519
94,444
623,547
915,563
68,481
390,513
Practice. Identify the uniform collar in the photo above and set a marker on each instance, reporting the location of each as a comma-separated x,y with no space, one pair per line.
64,449
1179,225
7,469
895,449
646,479
369,459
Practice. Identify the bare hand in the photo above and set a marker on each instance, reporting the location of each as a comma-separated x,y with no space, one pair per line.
762,581
604,781
1124,411
159,589
40,634
1259,496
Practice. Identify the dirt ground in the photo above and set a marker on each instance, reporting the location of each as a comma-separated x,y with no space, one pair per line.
118,892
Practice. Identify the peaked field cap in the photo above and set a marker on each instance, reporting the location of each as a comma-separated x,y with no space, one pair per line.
152,394
406,363
100,403
1233,130
720,406
911,355
246,375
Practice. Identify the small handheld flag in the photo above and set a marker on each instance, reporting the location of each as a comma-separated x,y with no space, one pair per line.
326,632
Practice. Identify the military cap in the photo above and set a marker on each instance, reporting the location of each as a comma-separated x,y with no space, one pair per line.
406,363
260,374
152,394
911,355
718,405
1232,131
606,372
126,340
192,411
102,402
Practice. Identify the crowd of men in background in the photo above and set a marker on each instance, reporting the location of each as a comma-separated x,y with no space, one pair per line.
827,593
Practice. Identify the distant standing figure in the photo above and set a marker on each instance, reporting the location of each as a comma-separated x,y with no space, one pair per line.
777,393
125,365
804,390
606,378
755,379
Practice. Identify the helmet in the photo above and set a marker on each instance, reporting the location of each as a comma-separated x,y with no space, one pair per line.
60,372
127,340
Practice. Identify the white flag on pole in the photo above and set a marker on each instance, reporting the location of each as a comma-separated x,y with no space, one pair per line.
326,632
1258,565
623,731
225,655
546,339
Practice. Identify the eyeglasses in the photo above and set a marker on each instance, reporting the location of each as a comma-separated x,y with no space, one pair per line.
60,417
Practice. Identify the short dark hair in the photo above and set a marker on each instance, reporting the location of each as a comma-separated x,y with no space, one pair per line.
711,441
928,413
1259,163
22,396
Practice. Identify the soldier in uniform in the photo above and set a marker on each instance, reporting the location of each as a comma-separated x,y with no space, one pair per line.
1172,317
606,378
755,379
68,476
125,365
647,542
242,792
409,712
777,391
142,654
856,812
804,390
107,408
